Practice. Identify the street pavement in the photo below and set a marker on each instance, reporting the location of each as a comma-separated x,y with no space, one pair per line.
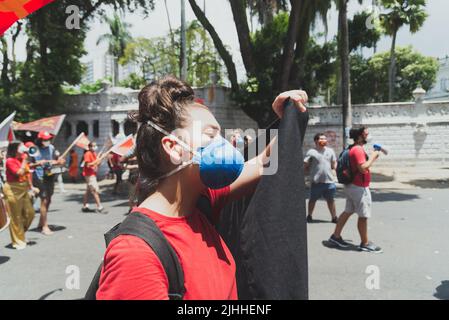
409,223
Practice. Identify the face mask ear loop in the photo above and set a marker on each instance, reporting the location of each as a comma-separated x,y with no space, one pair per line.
176,170
181,143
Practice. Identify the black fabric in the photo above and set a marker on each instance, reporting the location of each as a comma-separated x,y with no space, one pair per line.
141,226
267,233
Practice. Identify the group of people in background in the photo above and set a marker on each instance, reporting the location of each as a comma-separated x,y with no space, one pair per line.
321,162
29,171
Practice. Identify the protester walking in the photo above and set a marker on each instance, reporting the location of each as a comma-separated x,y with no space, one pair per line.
73,166
321,161
43,178
90,168
358,194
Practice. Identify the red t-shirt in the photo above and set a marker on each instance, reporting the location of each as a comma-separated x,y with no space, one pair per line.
89,157
132,270
357,156
12,166
116,165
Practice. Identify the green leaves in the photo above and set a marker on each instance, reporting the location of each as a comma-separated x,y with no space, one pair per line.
403,12
370,76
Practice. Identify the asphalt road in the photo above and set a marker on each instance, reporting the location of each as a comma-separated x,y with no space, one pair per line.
410,225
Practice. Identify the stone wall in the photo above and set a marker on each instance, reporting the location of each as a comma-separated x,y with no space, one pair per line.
413,133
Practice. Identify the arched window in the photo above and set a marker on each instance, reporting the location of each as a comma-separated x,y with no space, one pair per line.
115,128
82,126
96,128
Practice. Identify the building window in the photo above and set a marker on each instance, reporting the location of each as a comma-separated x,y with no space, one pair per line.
96,128
82,126
115,127
67,130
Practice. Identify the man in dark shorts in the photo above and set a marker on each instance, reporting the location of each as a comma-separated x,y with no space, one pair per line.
321,161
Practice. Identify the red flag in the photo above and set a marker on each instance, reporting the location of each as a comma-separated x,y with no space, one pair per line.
82,141
11,136
52,124
124,146
13,10
5,130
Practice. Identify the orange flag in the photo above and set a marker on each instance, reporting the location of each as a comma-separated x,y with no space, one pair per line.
13,10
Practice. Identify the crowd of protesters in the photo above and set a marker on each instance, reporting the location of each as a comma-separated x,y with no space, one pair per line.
28,174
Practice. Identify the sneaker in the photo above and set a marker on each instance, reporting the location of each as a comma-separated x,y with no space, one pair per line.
85,209
370,247
100,210
339,241
335,220
19,246
309,219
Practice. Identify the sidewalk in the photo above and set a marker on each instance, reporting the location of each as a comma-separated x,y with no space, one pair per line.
410,177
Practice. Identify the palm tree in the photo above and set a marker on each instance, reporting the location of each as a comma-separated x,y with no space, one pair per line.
401,12
117,39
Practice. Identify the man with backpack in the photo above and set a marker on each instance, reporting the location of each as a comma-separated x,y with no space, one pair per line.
353,171
321,161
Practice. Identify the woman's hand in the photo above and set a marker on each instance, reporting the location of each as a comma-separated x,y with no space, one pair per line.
299,98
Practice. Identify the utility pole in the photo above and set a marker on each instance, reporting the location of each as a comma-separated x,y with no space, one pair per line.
183,42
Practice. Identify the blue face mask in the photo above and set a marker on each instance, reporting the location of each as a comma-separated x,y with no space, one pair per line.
219,162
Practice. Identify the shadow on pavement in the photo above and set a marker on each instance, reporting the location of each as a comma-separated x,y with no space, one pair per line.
122,204
378,177
4,259
319,221
442,291
330,245
45,296
52,228
380,195
430,184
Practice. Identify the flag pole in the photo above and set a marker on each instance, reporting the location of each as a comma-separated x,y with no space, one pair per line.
72,145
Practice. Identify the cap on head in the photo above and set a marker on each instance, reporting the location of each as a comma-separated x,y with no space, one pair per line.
44,135
29,144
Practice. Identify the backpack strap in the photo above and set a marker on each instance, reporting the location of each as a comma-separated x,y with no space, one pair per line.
145,228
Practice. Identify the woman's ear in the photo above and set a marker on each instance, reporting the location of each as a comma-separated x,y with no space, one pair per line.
172,150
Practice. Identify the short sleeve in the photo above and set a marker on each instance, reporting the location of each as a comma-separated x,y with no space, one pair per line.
132,271
12,165
359,155
308,156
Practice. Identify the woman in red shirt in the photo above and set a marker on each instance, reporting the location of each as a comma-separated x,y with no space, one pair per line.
170,184
16,191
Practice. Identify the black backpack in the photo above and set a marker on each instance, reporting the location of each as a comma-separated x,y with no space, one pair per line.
344,171
143,227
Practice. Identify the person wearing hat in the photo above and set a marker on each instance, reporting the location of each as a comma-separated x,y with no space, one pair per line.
43,179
